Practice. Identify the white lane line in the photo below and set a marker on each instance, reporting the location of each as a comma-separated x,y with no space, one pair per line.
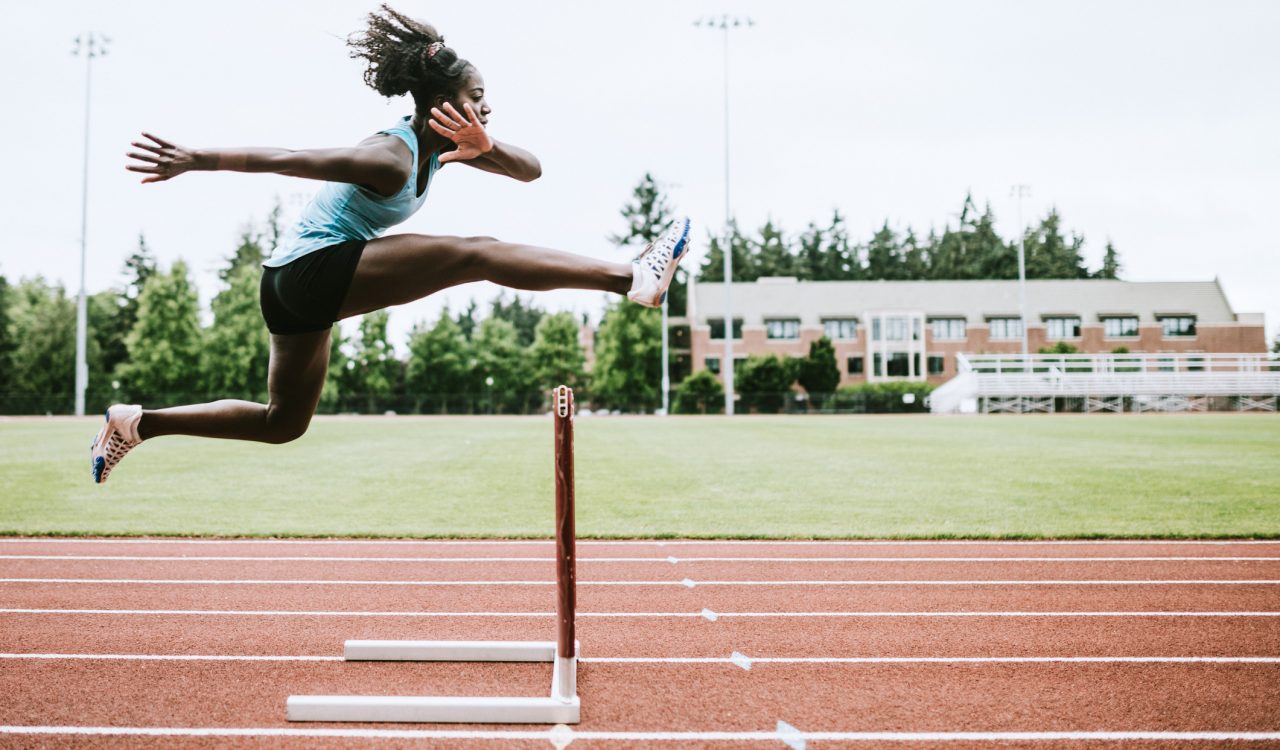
645,542
737,659
704,613
673,736
686,583
306,558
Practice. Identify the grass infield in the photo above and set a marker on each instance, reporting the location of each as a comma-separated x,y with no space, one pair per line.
915,476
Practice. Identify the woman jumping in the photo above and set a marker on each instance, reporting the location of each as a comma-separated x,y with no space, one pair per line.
334,263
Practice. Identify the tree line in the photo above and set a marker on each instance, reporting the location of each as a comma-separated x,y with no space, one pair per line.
147,343
971,249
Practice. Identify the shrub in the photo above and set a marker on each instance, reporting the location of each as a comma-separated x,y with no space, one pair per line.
700,393
765,383
882,398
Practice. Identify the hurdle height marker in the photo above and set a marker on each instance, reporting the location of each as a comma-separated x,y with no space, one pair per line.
561,707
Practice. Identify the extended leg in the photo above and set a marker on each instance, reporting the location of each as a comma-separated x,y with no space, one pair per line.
402,268
294,381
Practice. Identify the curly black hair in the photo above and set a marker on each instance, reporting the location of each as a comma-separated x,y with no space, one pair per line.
398,50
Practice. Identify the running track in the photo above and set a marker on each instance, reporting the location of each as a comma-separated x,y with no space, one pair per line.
197,643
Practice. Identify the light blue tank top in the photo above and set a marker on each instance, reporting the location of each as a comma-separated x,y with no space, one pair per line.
342,211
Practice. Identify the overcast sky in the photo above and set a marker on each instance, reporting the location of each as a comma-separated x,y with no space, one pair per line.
1152,124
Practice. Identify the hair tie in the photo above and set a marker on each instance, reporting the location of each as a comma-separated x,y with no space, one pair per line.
433,48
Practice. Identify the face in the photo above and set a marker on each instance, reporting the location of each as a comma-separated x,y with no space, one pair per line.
472,92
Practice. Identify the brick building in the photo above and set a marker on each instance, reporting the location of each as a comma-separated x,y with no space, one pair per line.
912,330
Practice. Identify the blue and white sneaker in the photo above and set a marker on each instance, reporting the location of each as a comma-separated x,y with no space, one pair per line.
654,269
116,438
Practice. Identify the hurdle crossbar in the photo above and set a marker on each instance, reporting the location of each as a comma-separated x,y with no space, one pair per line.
562,706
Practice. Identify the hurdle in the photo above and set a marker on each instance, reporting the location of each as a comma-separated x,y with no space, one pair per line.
561,707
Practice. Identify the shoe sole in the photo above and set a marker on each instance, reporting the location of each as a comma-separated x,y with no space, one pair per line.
99,463
676,255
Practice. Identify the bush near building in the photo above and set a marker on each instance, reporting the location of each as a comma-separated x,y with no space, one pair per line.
882,398
700,393
765,382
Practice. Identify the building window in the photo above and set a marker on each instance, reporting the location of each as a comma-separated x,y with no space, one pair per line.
948,329
877,365
840,328
782,328
717,327
854,365
1005,328
895,329
1062,328
1178,325
915,329
937,364
713,364
1120,327
898,366
875,329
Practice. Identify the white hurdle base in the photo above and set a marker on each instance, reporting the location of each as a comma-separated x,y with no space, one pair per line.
561,707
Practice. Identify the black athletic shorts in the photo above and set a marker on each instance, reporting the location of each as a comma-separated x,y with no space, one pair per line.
306,295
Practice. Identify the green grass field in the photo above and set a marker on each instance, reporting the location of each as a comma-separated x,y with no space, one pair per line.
865,476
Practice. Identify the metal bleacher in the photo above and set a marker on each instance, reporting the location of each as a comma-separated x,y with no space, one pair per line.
1012,383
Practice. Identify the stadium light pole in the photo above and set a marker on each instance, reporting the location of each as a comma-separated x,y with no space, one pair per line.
724,23
89,46
1020,192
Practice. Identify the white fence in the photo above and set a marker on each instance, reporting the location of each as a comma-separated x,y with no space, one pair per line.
1107,382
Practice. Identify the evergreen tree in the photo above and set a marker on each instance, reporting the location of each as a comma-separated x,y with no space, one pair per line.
255,244
811,262
500,357
237,347
818,373
374,373
993,257
1049,255
915,257
164,345
884,256
957,254
771,254
523,315
628,369
1110,264
556,355
440,361
648,213
712,269
105,313
467,320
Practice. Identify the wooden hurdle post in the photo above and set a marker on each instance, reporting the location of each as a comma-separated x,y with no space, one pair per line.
561,707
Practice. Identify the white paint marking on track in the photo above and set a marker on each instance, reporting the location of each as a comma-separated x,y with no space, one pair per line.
706,613
673,736
687,583
790,736
629,559
737,659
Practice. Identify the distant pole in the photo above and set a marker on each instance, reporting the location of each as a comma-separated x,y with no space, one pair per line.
666,365
724,23
89,46
1020,192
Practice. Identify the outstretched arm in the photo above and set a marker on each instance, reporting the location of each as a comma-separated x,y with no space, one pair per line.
374,163
476,148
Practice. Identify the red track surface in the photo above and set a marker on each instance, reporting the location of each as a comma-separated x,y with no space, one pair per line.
654,602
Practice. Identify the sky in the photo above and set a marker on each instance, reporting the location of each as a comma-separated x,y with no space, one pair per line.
1150,124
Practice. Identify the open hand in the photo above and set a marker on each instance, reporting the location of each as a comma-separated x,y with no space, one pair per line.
467,132
162,159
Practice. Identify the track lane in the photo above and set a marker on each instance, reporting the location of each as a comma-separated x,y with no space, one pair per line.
661,598
1079,569
686,637
676,697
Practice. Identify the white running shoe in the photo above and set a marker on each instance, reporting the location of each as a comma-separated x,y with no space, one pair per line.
653,271
116,438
